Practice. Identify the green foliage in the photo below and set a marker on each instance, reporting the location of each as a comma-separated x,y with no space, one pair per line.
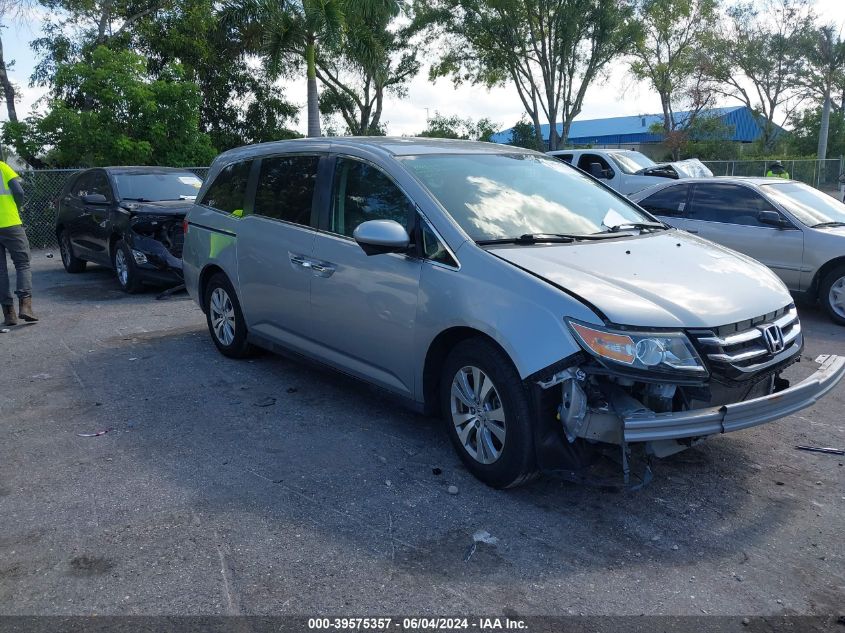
441,126
804,138
240,104
522,135
710,138
549,51
130,119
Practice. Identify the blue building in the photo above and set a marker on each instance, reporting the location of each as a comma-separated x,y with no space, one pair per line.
635,132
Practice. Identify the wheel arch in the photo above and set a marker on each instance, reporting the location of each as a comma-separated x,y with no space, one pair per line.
435,358
822,272
207,273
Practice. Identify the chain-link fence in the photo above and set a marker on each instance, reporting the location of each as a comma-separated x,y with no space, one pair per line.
43,188
822,174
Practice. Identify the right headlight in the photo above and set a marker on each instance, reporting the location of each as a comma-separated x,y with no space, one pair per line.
645,351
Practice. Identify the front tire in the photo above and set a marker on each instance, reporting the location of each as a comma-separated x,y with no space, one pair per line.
71,263
125,270
225,319
488,414
832,294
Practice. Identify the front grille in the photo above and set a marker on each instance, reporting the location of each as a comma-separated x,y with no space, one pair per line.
740,351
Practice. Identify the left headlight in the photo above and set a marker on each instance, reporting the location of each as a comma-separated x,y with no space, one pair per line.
646,351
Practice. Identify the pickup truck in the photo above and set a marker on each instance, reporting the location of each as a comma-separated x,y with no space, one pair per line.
628,171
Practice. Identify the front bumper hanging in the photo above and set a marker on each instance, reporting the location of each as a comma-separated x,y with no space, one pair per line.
646,426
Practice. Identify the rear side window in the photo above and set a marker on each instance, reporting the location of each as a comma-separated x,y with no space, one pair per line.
286,188
228,191
363,192
671,202
731,204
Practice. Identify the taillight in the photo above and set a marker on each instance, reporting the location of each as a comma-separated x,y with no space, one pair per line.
185,226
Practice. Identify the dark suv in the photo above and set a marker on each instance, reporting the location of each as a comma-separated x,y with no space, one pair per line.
127,218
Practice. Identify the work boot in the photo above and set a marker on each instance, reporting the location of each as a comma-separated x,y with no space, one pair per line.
9,316
25,310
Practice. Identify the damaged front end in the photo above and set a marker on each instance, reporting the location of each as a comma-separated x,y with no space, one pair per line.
156,241
656,391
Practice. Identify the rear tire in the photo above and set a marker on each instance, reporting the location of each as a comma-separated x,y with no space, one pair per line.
70,261
832,294
125,270
488,414
225,320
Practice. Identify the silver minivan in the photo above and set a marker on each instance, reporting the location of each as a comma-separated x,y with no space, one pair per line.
546,318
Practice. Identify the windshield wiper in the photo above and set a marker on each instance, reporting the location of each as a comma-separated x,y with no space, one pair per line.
138,199
824,224
532,238
643,226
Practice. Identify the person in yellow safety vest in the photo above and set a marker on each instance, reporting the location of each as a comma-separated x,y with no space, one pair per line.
777,170
13,240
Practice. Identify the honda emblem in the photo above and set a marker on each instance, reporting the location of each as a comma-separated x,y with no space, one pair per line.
774,338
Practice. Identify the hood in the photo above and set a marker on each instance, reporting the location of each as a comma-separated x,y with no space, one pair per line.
668,279
690,168
176,208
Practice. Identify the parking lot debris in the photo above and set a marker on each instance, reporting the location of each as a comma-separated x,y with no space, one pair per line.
436,471
822,449
49,256
452,490
95,434
481,536
5,330
292,389
269,401
170,292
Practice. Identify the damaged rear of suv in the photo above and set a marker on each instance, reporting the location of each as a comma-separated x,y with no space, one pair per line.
127,218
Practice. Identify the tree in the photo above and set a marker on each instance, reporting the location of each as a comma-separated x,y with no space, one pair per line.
291,32
372,59
805,134
441,126
11,12
671,57
240,103
132,119
522,135
550,50
762,56
825,73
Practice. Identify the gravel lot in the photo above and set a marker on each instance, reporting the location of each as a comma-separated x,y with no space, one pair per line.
200,501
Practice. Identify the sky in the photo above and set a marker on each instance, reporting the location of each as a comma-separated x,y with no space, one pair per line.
614,95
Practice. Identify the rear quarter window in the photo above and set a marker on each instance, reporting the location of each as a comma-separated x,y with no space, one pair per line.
228,191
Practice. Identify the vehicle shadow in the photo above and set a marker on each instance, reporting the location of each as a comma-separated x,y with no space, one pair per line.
287,446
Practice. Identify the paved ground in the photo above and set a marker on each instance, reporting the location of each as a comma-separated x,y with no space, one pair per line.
198,501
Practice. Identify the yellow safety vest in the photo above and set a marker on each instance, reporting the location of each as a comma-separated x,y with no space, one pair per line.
9,215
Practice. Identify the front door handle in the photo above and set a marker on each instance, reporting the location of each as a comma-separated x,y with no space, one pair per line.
299,260
322,269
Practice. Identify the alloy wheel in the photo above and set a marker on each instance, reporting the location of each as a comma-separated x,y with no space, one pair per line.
836,297
121,267
222,313
478,415
64,249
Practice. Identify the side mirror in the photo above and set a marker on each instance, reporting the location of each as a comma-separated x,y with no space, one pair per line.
771,218
94,198
381,236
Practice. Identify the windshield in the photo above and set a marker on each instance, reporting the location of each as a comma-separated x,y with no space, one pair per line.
503,196
632,162
154,187
808,205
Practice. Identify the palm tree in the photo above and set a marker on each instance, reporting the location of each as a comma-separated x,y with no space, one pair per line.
283,32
